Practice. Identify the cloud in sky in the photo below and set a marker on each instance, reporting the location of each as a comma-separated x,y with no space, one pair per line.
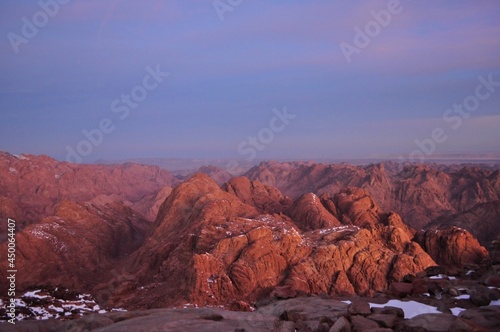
226,77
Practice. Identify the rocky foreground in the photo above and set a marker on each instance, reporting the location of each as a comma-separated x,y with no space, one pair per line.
427,301
288,311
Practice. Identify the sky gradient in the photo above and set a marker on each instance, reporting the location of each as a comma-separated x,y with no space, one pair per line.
228,77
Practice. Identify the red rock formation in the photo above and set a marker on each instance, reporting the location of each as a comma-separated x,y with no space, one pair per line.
452,247
210,247
309,213
357,207
265,199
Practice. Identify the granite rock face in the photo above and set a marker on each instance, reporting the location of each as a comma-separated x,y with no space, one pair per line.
452,247
208,247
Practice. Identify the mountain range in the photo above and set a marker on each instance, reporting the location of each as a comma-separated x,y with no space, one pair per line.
137,237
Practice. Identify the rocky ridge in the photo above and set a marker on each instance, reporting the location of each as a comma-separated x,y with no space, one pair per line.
31,187
419,193
208,246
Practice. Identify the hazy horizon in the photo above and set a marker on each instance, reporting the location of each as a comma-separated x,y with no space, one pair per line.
87,80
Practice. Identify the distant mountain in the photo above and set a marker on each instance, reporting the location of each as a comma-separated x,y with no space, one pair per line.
32,187
218,174
420,193
187,166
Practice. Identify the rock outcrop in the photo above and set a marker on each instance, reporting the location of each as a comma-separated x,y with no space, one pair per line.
264,198
209,246
311,212
452,247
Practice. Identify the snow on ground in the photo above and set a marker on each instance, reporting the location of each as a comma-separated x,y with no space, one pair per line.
42,304
410,308
22,157
456,311
414,308
338,229
442,276
34,294
462,297
439,276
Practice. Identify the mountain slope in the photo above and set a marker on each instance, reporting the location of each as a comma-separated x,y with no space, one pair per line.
483,221
32,186
76,247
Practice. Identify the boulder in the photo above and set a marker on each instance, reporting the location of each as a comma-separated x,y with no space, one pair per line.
358,307
486,317
384,320
362,324
401,289
341,325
